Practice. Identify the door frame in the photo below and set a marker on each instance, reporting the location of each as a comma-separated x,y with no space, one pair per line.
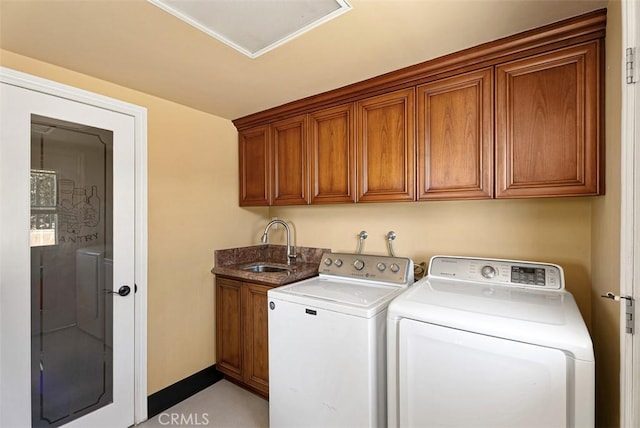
27,81
630,219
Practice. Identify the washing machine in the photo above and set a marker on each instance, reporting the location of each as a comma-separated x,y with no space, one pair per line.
489,343
327,342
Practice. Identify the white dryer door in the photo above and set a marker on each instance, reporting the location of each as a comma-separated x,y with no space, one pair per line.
454,378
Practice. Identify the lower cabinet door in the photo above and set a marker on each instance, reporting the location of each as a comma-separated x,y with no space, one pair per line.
229,327
256,334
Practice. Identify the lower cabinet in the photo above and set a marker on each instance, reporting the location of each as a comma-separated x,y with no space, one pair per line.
242,335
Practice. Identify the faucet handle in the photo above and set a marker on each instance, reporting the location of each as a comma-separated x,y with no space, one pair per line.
291,255
361,237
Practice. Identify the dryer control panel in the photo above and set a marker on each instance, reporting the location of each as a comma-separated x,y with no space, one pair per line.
498,271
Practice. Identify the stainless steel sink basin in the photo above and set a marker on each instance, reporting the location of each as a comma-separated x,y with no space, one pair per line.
266,268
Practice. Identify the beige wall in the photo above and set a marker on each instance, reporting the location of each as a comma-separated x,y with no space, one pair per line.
551,230
193,210
606,239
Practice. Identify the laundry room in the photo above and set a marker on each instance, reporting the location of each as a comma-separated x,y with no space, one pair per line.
198,202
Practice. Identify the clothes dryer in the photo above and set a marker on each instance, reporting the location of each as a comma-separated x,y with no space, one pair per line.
489,343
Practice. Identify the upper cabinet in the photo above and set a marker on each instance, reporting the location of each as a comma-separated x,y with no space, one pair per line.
455,137
254,166
386,147
518,117
548,124
332,155
289,176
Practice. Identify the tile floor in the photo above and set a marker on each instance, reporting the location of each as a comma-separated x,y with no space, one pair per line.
222,405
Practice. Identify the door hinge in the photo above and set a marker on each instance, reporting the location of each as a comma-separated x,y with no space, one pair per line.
629,310
630,57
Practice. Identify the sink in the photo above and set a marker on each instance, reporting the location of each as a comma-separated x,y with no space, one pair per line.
266,268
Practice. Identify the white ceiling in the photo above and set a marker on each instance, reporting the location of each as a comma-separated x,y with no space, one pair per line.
136,44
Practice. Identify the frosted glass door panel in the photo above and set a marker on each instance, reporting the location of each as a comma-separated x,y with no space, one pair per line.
71,270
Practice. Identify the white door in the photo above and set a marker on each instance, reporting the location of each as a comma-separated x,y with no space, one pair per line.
630,231
66,244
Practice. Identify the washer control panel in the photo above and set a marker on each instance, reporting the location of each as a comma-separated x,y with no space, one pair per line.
498,271
397,270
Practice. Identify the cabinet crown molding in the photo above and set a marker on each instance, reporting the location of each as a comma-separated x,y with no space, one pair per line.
570,31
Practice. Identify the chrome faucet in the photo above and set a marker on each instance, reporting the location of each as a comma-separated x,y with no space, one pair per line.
265,238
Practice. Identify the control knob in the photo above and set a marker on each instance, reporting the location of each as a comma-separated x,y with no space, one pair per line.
358,264
338,262
394,268
488,271
327,261
381,266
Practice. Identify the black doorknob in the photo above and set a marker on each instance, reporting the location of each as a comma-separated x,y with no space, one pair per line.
122,291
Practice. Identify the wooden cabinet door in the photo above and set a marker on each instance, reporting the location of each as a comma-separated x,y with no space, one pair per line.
455,137
229,332
256,334
548,124
386,147
254,166
332,155
289,164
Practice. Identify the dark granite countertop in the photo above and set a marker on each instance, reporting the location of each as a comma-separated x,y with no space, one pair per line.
232,262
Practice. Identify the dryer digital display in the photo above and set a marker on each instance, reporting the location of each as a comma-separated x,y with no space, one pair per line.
527,275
